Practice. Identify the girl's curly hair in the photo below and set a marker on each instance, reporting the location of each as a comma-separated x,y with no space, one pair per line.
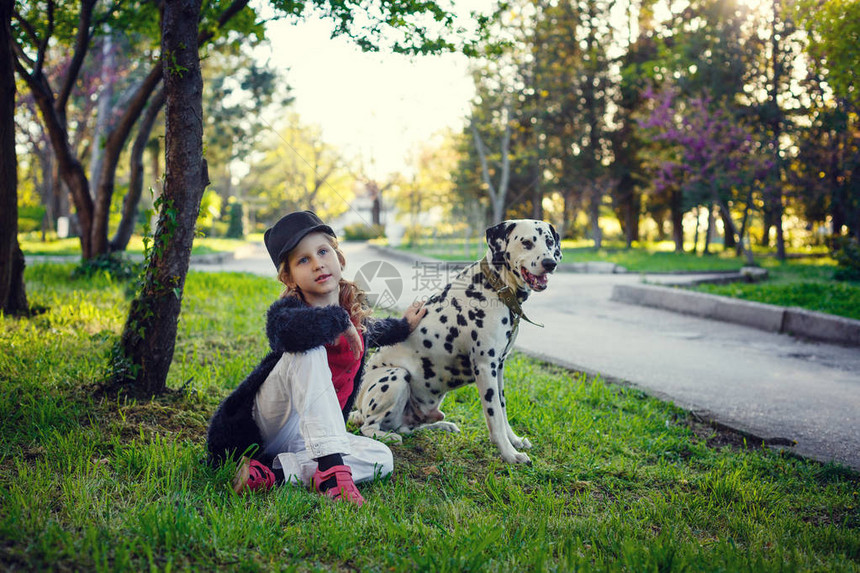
351,298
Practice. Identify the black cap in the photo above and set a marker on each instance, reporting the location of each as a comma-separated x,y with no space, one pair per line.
284,235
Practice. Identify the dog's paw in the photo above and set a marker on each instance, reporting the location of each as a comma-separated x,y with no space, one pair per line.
447,427
517,458
521,443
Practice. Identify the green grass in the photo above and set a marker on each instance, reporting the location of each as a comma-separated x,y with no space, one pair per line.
805,284
31,244
620,481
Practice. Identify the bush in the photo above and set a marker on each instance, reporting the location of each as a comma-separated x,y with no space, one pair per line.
362,232
847,254
113,264
236,228
30,218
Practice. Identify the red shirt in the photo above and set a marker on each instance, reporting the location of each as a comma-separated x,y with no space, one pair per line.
343,368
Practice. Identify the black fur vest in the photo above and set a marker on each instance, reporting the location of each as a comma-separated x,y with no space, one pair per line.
291,326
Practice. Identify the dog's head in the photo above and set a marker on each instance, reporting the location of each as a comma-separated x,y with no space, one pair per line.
530,250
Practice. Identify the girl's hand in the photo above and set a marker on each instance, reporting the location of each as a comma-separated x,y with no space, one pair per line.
414,314
353,338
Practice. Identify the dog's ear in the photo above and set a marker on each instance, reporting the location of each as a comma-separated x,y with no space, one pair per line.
497,238
557,240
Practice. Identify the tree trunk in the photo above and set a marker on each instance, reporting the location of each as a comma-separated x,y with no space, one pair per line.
497,194
734,230
631,215
594,213
69,169
777,120
149,335
135,185
678,222
113,147
767,223
696,232
13,297
709,232
744,222
729,240
104,109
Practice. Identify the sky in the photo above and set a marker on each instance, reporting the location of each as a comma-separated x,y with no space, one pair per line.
376,107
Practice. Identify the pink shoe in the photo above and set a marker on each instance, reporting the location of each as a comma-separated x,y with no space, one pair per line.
251,475
344,489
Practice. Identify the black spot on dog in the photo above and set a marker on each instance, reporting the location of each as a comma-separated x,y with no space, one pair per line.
383,379
474,335
461,320
428,344
491,351
435,392
427,366
443,319
423,330
474,293
490,411
384,388
489,395
449,347
504,320
373,407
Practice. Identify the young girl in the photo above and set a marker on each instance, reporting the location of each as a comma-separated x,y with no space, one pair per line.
286,421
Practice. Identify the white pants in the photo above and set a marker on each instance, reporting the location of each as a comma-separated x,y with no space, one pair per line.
300,419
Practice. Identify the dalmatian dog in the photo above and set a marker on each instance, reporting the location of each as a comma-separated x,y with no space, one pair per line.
469,329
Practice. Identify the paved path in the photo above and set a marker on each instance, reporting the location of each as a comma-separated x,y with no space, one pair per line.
772,386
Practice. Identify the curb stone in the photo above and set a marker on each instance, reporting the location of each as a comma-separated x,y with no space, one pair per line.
771,318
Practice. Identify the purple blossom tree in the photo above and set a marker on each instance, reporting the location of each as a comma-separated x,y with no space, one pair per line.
710,157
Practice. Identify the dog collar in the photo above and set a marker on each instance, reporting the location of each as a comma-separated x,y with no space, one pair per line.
507,294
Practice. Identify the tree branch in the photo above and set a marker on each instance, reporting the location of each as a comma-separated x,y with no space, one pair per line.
233,9
82,41
482,156
43,45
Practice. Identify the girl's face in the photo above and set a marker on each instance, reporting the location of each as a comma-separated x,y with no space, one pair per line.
315,269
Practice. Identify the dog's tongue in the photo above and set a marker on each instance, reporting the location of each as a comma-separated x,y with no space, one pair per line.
537,282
